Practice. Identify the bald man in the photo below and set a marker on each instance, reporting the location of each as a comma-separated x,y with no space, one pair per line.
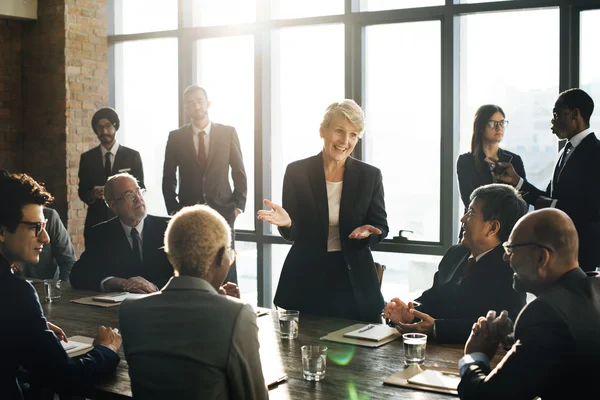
557,348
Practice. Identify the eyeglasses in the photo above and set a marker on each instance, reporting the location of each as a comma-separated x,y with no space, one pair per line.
37,225
509,248
495,124
232,255
105,127
131,196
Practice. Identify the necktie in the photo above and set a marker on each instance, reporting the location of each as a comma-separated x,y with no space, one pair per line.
201,149
565,155
107,166
136,245
469,267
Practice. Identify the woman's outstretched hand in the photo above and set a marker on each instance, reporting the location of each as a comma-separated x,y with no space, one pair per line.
276,216
363,232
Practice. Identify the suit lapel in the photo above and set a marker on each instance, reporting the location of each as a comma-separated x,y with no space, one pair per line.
98,161
319,189
214,143
349,192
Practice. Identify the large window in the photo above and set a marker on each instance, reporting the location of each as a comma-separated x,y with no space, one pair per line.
590,60
135,16
307,74
403,106
518,70
147,106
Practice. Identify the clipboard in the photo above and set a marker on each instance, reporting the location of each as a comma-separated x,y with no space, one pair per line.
338,336
427,382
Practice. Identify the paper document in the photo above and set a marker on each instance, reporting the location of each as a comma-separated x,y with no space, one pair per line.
436,379
375,332
76,348
119,297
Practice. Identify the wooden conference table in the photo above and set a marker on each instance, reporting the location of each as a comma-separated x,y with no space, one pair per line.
353,372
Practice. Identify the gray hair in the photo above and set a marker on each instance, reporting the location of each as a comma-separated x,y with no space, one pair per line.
109,186
350,110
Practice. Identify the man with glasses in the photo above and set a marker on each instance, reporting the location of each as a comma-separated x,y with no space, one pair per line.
97,164
220,358
575,185
27,340
198,160
556,347
472,278
124,253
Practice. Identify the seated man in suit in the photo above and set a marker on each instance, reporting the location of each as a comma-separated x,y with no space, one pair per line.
202,344
557,349
58,256
472,278
124,253
26,338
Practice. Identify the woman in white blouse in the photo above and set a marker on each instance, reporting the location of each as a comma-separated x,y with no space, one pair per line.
333,210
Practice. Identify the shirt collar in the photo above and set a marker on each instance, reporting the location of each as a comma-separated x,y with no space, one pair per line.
482,254
575,140
139,227
113,150
206,129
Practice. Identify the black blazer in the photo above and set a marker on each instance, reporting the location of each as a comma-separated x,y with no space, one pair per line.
91,173
110,254
26,341
470,178
305,199
457,303
556,351
211,186
577,190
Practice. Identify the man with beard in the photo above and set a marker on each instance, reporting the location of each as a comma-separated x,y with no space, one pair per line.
99,163
556,349
202,153
124,253
472,277
575,185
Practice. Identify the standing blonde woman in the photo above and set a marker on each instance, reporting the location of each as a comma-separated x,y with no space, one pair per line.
333,210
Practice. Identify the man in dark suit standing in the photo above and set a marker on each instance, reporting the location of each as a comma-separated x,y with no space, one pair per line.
472,278
124,253
202,153
575,186
26,339
556,350
97,164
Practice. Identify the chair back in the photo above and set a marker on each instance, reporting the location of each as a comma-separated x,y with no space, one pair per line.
379,268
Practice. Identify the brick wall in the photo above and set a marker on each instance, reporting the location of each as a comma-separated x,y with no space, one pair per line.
11,104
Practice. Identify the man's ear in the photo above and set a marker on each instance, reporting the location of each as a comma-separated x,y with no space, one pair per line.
494,227
543,263
2,233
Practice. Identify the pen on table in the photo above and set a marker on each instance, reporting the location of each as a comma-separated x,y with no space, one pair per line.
366,328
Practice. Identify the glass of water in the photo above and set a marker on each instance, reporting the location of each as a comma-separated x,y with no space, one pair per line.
288,323
52,290
314,362
414,348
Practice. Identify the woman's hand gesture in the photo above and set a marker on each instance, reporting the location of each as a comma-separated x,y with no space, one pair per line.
276,216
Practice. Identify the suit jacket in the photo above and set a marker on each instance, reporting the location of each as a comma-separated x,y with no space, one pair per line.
26,341
189,342
302,284
110,254
91,173
557,347
470,178
210,186
577,190
58,256
456,302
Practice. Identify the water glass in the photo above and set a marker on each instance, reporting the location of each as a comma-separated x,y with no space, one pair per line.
414,348
52,290
288,323
314,362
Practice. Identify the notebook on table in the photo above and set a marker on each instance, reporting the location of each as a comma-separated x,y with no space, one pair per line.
118,297
340,336
78,345
374,332
431,379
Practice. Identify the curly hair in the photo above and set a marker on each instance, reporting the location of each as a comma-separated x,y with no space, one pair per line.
195,236
19,190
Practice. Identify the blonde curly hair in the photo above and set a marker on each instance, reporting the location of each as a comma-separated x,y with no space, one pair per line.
194,237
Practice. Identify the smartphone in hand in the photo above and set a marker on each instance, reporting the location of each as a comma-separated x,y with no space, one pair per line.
499,170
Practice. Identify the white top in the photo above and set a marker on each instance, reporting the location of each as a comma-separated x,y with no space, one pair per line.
113,153
334,196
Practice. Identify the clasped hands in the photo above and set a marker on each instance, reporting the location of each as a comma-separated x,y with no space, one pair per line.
488,332
279,217
230,289
109,337
403,315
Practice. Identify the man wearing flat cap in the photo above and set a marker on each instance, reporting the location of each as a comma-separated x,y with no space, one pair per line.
97,164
